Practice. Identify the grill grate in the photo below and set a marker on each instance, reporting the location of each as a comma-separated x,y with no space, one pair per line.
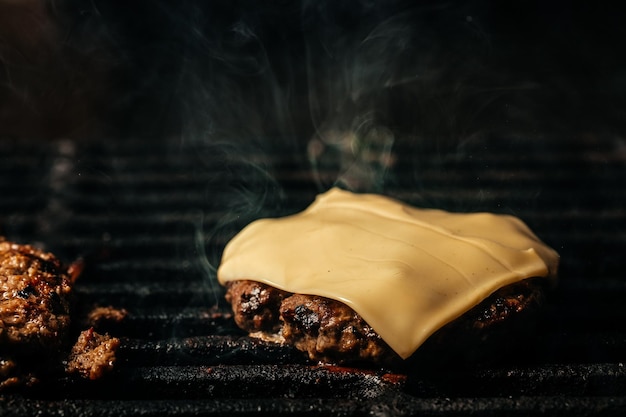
151,218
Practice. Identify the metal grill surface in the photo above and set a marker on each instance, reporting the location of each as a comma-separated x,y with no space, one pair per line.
150,219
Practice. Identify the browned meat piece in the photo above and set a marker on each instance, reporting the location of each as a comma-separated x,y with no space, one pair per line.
331,332
34,298
499,327
508,301
93,354
35,291
255,305
101,316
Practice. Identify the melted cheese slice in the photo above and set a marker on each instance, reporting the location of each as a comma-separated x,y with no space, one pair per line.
406,271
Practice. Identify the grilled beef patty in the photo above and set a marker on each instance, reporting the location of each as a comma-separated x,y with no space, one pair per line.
34,298
331,332
35,291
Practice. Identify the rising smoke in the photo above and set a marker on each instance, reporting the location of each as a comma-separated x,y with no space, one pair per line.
347,90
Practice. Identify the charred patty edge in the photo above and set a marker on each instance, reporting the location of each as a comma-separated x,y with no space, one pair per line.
331,332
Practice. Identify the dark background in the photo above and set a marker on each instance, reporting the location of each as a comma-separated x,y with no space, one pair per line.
438,71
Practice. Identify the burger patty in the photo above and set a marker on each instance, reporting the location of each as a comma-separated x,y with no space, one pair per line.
34,298
35,320
331,332
35,292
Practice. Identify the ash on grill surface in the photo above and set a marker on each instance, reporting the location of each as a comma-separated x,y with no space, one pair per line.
149,227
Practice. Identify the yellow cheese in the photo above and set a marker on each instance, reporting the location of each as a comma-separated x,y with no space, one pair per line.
406,271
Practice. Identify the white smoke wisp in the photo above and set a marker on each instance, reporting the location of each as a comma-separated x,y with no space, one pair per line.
354,64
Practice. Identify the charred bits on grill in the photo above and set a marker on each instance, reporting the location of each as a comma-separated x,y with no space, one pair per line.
35,313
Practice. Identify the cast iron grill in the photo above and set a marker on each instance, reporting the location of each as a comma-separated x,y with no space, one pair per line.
150,219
